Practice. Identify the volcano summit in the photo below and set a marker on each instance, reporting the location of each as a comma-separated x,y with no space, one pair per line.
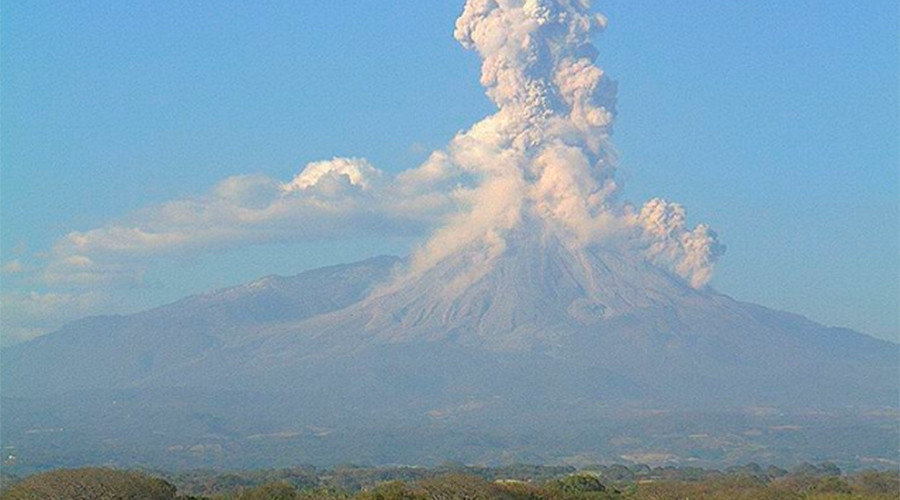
543,309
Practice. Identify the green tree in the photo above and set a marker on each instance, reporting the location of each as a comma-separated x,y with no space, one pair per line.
580,487
877,483
91,484
456,487
832,484
580,483
397,490
271,491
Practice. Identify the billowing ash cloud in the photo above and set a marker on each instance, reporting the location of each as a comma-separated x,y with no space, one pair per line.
544,159
542,163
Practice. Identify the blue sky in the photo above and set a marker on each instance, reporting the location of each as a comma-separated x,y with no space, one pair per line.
774,122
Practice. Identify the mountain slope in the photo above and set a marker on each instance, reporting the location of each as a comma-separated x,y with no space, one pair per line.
122,351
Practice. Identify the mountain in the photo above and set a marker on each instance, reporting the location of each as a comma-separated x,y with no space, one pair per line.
599,325
548,336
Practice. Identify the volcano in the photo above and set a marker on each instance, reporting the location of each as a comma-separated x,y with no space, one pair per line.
537,323
545,324
551,355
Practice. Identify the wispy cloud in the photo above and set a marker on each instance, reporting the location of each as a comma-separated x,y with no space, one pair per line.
338,198
30,314
14,266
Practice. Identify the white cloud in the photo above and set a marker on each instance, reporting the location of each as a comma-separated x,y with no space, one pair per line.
27,315
326,176
343,197
14,266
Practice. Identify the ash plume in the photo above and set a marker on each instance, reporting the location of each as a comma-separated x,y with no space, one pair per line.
544,161
542,166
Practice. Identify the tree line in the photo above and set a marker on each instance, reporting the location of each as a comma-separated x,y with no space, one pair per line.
458,482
